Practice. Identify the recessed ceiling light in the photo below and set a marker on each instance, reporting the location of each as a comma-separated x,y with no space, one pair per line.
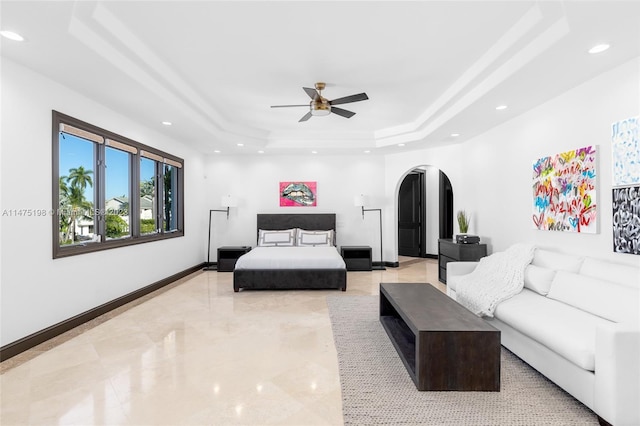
314,152
217,151
240,144
455,135
367,151
501,107
11,35
400,144
261,152
599,48
167,123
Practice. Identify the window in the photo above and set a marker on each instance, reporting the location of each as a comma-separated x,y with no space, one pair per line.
148,200
117,190
109,191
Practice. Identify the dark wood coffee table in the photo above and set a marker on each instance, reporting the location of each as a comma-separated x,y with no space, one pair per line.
443,345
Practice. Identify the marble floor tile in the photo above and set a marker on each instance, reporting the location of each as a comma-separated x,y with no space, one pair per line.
195,353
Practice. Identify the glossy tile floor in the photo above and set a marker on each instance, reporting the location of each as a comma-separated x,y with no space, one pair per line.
194,353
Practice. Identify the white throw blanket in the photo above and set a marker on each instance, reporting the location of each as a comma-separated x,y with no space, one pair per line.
496,278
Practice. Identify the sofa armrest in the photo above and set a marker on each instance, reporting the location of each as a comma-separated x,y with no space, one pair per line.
460,268
617,373
456,269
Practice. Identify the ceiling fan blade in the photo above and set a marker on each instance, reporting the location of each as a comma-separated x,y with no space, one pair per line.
306,117
348,99
343,112
287,106
311,92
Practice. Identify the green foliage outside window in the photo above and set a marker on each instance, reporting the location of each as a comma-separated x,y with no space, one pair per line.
147,226
73,203
116,226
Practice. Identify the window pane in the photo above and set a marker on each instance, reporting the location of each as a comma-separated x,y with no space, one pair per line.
147,197
75,185
170,204
117,195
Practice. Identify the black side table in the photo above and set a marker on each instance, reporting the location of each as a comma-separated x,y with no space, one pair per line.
450,251
357,258
228,255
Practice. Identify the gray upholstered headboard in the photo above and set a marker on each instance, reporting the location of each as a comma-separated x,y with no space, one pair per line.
309,221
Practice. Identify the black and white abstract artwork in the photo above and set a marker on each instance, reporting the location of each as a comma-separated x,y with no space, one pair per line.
626,220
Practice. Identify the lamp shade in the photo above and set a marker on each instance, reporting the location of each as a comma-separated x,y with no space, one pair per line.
228,201
358,200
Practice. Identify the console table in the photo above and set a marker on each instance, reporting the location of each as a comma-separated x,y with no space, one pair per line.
443,346
450,251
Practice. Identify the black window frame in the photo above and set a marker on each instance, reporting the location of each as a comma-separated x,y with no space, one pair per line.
60,251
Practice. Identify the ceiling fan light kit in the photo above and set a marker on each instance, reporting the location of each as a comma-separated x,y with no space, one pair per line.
320,106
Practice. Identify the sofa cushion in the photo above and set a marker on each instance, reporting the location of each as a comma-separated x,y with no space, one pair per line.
556,261
608,300
538,279
620,274
568,331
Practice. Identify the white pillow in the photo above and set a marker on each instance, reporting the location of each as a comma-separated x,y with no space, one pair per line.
314,238
557,261
538,279
605,299
627,275
282,238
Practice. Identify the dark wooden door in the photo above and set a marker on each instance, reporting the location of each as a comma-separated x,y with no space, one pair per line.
411,215
446,207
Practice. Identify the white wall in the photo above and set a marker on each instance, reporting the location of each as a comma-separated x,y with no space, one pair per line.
432,204
491,174
254,181
38,291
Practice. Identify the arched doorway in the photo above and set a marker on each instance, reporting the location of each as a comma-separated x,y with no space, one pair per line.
425,211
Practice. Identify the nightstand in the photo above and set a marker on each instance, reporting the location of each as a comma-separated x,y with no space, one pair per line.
228,255
450,251
357,258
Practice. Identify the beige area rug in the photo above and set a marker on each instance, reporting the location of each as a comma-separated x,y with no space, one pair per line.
377,390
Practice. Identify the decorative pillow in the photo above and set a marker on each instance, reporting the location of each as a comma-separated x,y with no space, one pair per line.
605,299
626,275
314,238
282,238
538,279
556,261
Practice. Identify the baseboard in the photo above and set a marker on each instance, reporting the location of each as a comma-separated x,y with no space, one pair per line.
32,340
387,264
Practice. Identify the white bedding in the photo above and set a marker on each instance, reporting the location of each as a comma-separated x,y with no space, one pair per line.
291,258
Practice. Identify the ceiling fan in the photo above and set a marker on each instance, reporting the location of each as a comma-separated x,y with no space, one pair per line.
321,106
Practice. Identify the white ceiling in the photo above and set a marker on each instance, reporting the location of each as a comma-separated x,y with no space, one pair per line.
213,68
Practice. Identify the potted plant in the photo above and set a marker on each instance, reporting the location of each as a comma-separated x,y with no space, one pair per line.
463,221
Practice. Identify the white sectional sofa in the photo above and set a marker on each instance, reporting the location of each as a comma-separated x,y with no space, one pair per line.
576,321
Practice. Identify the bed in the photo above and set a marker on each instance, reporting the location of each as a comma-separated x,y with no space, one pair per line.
296,267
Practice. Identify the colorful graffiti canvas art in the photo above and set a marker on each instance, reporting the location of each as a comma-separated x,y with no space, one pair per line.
626,220
298,194
564,191
625,152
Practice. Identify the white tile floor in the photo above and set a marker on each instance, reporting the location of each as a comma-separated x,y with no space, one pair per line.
195,353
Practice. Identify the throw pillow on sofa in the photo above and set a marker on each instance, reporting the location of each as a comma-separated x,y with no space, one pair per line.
605,299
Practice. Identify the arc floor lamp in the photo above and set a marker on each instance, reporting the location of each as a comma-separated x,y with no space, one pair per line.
358,201
226,201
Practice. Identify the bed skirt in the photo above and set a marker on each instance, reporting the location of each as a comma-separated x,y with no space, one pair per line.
289,279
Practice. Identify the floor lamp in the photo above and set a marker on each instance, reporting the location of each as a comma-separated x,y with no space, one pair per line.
358,201
228,202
